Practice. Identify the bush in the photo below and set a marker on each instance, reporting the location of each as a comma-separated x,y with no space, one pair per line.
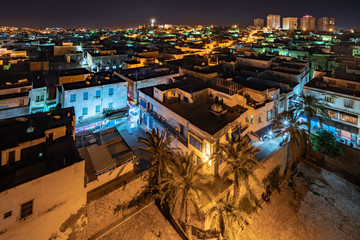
326,144
246,205
273,179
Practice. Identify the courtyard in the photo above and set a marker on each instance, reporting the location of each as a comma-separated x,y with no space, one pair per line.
318,206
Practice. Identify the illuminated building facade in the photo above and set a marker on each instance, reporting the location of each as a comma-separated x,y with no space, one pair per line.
273,21
42,174
91,97
290,23
326,24
201,114
341,92
259,22
307,23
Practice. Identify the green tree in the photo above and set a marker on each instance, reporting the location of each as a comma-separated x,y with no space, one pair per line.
239,157
312,107
184,185
157,149
288,126
227,217
326,144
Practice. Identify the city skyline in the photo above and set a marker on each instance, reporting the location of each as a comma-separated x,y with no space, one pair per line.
113,14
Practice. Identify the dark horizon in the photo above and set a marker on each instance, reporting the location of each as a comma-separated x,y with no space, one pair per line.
115,14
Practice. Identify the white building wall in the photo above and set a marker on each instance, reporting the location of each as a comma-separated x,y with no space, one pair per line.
118,99
55,197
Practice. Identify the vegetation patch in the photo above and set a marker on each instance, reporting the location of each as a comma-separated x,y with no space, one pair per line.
273,180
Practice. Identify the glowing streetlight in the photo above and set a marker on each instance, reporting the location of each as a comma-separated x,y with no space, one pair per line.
270,134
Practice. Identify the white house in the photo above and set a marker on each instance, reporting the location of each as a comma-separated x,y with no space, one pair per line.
91,97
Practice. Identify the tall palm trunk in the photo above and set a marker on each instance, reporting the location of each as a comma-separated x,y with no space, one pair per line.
187,225
158,174
289,160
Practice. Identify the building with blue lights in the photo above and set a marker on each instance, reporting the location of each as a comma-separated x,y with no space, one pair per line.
341,92
99,92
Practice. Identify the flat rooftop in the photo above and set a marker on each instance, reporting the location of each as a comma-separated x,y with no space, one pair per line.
259,57
201,117
318,83
72,72
343,76
102,78
14,131
43,158
147,72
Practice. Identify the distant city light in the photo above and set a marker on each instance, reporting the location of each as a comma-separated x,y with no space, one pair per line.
152,22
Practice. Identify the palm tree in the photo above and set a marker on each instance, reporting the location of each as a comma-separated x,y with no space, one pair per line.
311,107
239,156
184,185
226,216
288,126
158,151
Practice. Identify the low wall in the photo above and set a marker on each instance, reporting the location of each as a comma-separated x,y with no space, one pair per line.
109,176
346,166
14,112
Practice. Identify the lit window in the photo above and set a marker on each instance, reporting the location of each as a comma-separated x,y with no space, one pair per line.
26,209
85,111
86,96
349,119
72,97
332,114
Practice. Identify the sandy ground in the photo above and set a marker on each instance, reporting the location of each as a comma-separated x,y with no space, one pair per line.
321,206
147,224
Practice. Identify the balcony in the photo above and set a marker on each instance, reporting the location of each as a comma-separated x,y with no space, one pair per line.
178,135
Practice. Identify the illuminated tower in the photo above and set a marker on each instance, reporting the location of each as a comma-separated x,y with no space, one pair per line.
273,21
259,22
326,24
290,23
307,23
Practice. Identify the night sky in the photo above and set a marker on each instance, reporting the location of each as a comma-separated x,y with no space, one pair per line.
132,13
